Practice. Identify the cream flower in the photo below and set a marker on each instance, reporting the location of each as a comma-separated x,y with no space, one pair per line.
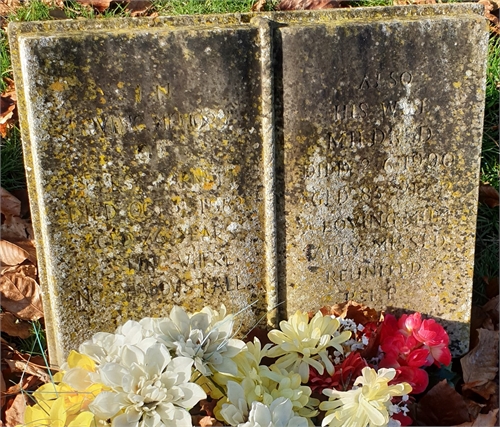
148,388
302,343
204,337
278,414
367,405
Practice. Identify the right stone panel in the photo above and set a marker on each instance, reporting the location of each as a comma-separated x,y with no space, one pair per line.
380,147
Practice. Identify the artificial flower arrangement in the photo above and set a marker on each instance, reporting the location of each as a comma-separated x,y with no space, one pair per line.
352,370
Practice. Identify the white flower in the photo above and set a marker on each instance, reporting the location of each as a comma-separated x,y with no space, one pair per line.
278,414
302,343
105,347
204,337
148,389
368,405
235,412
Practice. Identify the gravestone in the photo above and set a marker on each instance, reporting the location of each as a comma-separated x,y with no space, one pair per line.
382,123
255,160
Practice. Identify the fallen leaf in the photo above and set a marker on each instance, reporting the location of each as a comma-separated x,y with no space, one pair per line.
477,318
474,408
54,3
441,406
8,110
308,4
14,327
9,204
259,6
360,313
406,2
16,228
15,408
483,420
481,363
100,5
488,195
483,388
26,383
138,7
16,253
23,196
9,6
491,8
2,390
26,367
20,293
492,304
491,286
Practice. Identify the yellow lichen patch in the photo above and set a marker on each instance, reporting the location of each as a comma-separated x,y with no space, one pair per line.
57,86
457,85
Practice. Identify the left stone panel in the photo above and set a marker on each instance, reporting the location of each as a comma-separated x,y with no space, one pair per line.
144,155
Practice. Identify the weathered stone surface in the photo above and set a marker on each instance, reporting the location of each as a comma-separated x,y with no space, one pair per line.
146,161
381,139
150,154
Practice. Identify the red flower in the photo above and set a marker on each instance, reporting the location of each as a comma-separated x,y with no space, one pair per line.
411,332
417,378
435,338
405,350
343,377
403,419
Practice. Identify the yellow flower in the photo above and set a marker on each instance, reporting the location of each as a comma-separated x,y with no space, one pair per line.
366,405
64,403
302,343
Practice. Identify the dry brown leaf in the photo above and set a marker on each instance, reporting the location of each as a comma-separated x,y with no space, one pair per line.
405,2
441,406
361,314
26,367
20,293
259,6
15,408
2,390
492,304
14,253
138,7
100,5
308,4
477,318
491,286
9,6
483,420
16,228
54,3
491,9
14,327
481,363
8,110
483,388
9,204
474,408
209,422
488,195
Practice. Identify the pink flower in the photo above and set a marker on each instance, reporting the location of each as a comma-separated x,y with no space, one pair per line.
434,337
408,323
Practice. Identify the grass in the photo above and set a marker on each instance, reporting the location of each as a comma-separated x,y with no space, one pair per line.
12,162
487,248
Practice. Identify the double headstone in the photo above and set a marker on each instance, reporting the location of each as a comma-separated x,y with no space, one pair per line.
270,162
